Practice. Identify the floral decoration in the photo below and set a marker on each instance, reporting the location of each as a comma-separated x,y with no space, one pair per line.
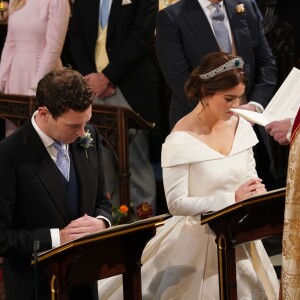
119,214
85,141
144,210
125,215
240,8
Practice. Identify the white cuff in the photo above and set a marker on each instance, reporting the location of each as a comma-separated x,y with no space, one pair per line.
55,237
101,217
257,106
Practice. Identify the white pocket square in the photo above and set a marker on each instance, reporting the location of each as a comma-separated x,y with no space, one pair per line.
125,2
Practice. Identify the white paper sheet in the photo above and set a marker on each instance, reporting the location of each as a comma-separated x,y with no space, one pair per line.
284,104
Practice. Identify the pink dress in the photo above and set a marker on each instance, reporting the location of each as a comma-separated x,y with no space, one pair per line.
35,38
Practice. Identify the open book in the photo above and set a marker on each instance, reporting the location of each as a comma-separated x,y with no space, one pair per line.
284,104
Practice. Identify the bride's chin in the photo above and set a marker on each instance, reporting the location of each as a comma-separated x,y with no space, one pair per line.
227,117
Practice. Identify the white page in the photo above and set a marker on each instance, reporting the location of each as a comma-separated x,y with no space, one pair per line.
286,101
284,104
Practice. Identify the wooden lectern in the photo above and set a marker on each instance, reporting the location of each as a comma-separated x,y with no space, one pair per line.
116,250
112,122
255,218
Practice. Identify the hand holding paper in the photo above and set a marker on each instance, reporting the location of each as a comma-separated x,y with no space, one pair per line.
279,130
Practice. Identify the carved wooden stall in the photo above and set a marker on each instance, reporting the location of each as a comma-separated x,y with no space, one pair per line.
281,38
113,123
16,108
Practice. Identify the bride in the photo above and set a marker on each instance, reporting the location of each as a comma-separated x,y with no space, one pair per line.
207,165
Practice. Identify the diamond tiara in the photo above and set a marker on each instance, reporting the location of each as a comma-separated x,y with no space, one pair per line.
236,63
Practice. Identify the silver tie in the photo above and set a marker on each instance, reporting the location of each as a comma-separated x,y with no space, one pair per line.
62,159
220,30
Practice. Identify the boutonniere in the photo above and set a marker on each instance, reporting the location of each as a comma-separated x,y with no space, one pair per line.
85,141
240,8
125,2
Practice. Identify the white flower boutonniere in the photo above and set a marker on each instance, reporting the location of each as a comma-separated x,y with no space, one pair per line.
240,8
85,141
125,2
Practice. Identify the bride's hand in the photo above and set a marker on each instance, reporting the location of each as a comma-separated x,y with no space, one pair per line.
250,188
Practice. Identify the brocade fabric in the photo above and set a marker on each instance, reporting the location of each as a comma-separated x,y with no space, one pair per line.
291,231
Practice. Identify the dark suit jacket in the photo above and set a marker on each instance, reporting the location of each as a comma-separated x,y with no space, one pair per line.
32,200
129,37
184,37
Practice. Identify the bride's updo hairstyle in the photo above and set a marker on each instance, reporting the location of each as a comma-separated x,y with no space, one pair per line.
218,71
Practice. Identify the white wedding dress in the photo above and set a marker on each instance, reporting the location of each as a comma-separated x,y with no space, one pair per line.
180,262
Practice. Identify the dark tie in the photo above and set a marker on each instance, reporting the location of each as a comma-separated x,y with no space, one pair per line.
220,30
62,159
104,13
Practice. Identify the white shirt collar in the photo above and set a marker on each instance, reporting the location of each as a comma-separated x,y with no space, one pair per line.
47,141
206,3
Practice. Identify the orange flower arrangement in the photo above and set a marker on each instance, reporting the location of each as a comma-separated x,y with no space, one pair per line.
123,209
119,214
122,215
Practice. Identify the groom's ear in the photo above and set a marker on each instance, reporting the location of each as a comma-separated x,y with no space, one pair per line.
44,113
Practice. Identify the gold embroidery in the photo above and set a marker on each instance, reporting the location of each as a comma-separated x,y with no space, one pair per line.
291,233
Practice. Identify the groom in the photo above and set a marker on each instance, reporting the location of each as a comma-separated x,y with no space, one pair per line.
39,199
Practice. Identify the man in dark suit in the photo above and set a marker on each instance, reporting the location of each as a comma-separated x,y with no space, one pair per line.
112,51
38,204
184,35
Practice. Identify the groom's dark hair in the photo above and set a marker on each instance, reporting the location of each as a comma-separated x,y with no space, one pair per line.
63,89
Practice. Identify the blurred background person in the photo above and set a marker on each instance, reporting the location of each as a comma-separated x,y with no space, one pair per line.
110,43
35,38
3,22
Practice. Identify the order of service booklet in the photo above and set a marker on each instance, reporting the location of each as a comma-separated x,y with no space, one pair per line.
284,104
